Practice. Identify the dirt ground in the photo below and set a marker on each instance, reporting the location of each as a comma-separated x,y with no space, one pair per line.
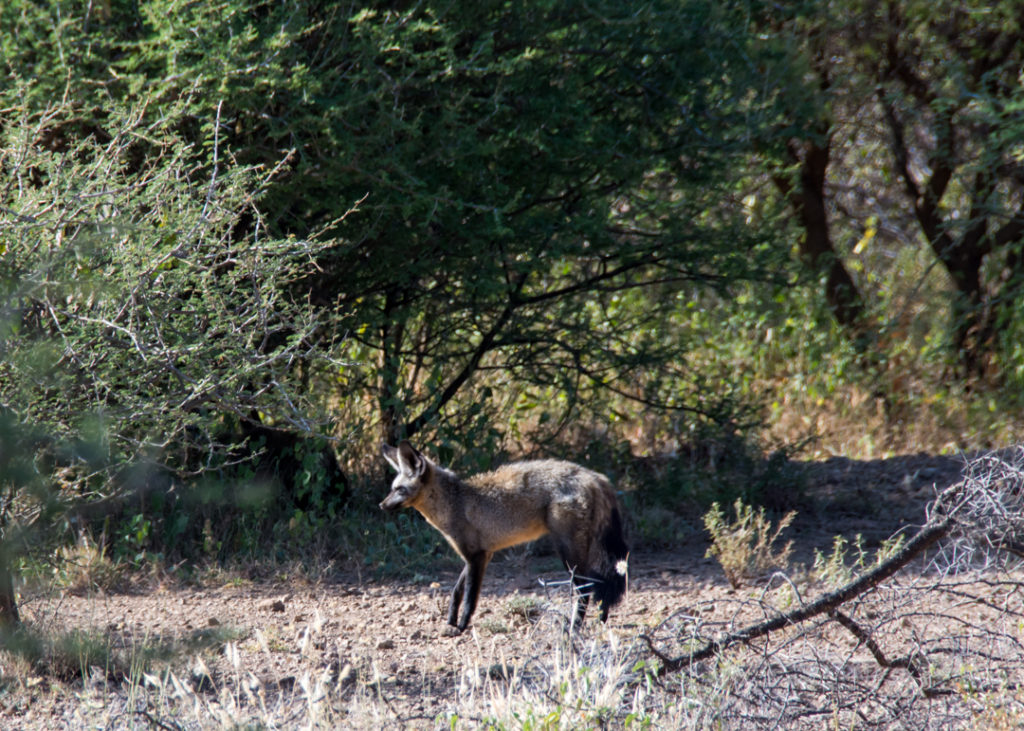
386,637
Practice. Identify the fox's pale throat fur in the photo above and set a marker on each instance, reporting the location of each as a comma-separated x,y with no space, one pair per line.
514,504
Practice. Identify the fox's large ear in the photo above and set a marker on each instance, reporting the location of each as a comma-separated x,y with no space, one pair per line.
391,455
410,461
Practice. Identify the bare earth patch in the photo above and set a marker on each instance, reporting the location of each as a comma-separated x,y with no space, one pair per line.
364,654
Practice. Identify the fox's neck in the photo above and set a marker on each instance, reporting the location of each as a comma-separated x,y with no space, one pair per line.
439,500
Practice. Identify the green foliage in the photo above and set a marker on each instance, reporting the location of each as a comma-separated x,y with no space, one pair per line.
390,545
836,569
898,85
233,232
134,303
744,546
515,230
515,225
144,309
662,494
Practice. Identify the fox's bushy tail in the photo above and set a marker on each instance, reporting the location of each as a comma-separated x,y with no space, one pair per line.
613,568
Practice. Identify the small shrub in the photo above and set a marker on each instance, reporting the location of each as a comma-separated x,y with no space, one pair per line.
62,655
744,546
494,626
833,570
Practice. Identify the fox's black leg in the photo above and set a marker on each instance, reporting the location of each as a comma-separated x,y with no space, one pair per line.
583,589
477,564
453,606
580,580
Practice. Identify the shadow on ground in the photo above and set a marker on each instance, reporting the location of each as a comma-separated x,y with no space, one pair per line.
871,498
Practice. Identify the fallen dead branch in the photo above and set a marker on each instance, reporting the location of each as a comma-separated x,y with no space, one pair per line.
884,647
925,538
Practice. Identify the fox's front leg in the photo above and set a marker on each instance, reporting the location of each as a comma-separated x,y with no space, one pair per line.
474,575
456,600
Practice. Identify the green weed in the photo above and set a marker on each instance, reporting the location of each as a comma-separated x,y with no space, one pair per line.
744,546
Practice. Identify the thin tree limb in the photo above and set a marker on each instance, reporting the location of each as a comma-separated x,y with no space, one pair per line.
825,604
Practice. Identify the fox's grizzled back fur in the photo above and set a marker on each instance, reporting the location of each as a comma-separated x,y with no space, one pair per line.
577,506
514,504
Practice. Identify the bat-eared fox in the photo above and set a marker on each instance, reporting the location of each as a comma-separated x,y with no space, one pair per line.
514,504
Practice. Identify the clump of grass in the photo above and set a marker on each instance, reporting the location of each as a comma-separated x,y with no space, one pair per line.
85,567
524,608
745,546
88,654
62,656
494,626
595,680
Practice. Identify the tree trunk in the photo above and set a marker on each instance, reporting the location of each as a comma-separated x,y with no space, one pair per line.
809,203
392,335
9,616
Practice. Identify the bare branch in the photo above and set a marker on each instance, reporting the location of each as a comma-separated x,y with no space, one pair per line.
919,640
924,539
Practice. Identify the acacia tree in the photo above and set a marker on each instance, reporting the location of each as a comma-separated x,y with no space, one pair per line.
799,154
527,172
140,332
948,84
524,173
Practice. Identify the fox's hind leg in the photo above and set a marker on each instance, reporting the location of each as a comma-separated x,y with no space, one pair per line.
581,580
583,587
